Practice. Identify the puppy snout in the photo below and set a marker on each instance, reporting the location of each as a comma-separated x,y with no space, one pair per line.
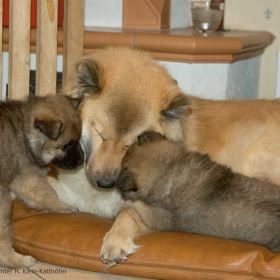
73,157
77,153
126,182
106,182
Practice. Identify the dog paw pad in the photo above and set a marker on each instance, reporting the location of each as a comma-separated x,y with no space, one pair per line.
116,250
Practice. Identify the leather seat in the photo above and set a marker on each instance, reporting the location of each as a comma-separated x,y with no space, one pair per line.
74,240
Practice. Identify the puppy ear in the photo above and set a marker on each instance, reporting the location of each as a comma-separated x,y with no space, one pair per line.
52,129
176,107
149,136
88,78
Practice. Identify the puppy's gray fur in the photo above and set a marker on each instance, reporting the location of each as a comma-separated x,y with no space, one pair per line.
200,195
32,135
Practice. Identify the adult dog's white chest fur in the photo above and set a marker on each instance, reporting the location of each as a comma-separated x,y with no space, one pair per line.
74,189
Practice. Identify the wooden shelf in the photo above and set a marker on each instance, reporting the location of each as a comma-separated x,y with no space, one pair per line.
185,45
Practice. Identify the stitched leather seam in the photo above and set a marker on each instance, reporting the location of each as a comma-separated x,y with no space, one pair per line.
131,262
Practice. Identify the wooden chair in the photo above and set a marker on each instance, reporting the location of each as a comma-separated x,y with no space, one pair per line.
46,46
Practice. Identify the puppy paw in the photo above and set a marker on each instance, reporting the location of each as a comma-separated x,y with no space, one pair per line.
116,249
27,261
16,260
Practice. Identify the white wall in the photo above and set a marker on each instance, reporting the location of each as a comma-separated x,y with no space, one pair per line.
218,81
106,13
258,15
180,13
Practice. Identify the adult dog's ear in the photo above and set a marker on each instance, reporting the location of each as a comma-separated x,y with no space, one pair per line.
176,107
51,129
88,78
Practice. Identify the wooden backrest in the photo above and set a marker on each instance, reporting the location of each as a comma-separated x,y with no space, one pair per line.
46,44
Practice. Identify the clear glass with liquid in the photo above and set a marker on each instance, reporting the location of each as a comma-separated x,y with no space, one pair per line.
206,17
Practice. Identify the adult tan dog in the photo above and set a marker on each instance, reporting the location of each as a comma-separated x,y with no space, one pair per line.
126,94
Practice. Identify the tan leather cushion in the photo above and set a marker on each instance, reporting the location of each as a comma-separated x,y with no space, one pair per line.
74,240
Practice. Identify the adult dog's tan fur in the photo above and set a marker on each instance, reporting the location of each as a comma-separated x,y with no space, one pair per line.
239,134
126,94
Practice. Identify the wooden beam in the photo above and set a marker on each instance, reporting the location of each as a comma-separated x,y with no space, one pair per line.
184,45
1,54
73,39
19,34
46,47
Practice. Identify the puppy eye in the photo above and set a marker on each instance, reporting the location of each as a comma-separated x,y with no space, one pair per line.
139,140
148,136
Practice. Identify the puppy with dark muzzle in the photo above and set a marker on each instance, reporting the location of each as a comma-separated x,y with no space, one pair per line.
199,195
32,135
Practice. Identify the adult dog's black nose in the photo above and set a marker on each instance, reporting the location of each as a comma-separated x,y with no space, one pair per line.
106,183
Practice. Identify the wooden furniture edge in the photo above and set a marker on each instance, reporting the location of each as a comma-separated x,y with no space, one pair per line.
184,45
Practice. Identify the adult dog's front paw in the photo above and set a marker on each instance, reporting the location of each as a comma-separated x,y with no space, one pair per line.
116,248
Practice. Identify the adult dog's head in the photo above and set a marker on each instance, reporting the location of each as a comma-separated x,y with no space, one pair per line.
125,93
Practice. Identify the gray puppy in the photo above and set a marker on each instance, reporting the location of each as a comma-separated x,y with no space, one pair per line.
32,135
199,195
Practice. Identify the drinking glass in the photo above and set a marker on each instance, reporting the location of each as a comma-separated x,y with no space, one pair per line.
206,16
